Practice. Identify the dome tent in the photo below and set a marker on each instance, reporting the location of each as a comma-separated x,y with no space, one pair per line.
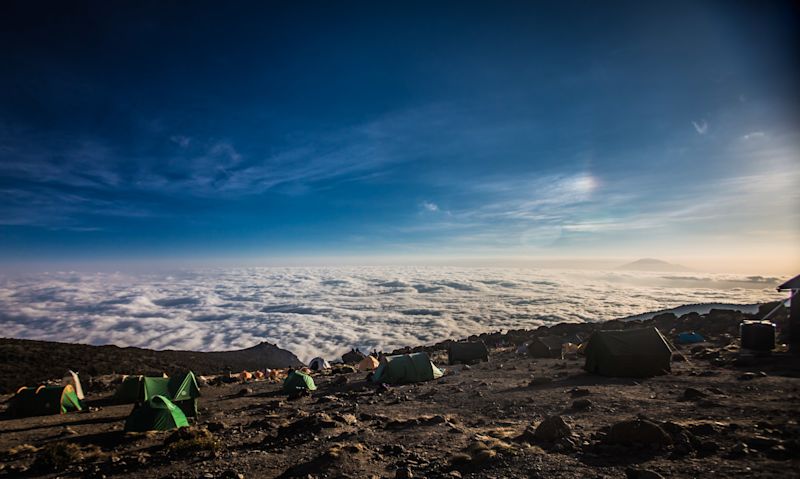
368,364
297,381
318,364
128,390
689,337
157,414
181,390
406,368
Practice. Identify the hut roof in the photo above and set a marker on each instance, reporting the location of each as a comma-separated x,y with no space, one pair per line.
793,283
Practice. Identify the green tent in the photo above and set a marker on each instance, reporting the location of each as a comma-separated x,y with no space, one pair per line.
296,381
406,368
157,414
44,400
628,353
181,390
128,390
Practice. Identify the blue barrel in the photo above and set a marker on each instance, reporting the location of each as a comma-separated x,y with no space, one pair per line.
757,335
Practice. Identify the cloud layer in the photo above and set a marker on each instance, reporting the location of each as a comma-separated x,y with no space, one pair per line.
324,311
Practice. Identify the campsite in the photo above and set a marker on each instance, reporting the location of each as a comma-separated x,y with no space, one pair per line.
715,412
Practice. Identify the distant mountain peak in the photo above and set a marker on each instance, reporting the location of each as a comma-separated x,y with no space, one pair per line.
652,264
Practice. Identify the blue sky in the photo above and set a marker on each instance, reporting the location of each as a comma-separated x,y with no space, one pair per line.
138,130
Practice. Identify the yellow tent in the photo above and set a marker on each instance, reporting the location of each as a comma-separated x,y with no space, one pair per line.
368,364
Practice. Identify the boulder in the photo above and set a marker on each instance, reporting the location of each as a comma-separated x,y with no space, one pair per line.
552,429
582,404
692,394
638,432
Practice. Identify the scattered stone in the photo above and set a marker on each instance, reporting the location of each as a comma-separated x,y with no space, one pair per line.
190,439
348,419
57,456
761,442
684,442
778,452
216,426
579,392
244,392
311,424
298,394
708,447
394,449
403,473
632,473
537,380
68,431
747,376
708,403
739,450
582,404
692,394
382,388
703,429
638,432
460,458
341,380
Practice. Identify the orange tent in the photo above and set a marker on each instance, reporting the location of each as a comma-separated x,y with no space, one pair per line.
368,364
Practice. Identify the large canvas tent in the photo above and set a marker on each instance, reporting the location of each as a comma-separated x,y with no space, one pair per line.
406,368
628,353
467,352
157,414
181,390
44,400
545,347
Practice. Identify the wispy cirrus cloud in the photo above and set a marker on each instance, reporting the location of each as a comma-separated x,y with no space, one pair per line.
701,126
754,135
429,206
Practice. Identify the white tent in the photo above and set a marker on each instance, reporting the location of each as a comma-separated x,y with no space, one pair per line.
318,364
71,378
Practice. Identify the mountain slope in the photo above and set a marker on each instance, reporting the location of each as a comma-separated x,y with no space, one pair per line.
651,264
25,362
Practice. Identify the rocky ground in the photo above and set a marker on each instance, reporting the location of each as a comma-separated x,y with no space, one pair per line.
719,414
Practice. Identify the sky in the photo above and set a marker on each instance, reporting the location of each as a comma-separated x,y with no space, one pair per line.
323,132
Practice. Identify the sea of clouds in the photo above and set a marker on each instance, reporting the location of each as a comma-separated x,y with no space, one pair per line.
325,311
